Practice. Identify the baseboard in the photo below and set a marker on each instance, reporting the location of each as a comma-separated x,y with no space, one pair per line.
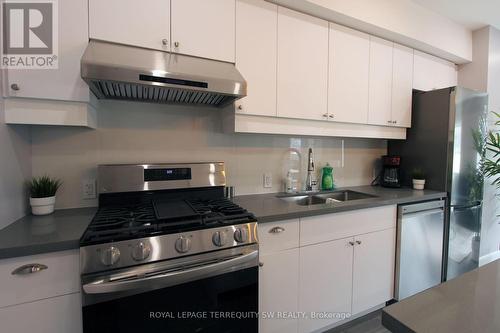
486,259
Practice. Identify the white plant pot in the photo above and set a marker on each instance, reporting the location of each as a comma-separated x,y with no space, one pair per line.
42,206
418,184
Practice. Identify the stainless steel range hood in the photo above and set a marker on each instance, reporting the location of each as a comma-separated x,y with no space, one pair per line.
115,71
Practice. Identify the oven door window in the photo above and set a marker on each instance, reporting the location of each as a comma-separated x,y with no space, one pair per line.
223,304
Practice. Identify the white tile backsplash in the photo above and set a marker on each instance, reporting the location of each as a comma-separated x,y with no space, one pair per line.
136,132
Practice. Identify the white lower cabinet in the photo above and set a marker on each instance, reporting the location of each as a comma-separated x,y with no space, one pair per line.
325,283
342,266
278,291
61,314
373,269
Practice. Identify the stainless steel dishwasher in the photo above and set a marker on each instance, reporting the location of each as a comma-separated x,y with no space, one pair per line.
419,255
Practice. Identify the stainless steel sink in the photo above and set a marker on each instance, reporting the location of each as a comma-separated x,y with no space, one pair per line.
321,198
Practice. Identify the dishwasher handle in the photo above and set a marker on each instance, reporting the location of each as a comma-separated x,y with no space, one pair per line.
422,206
423,213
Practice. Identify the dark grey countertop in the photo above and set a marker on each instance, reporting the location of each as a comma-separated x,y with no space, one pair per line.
63,229
467,304
41,234
268,207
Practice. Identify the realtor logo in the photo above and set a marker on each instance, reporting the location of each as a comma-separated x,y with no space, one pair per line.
29,34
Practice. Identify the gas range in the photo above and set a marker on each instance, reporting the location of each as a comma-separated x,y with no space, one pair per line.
150,213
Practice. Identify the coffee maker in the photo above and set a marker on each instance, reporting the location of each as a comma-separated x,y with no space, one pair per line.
390,176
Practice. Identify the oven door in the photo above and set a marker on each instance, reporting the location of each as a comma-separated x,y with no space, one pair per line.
214,292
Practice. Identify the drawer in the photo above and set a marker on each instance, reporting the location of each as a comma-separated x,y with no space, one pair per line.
61,314
322,228
278,236
61,277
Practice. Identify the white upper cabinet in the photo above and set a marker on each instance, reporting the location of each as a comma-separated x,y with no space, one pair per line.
348,75
431,72
256,55
63,83
302,65
204,28
132,22
380,90
402,85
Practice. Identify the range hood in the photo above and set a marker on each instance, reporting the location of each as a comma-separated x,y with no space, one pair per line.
115,71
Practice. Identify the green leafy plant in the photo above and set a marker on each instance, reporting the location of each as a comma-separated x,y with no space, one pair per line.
418,174
492,162
43,187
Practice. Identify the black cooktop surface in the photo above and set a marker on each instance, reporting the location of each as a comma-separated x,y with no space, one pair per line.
128,221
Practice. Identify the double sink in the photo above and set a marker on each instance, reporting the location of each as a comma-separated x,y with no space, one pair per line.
323,198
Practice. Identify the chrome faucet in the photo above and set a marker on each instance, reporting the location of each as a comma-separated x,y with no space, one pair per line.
310,170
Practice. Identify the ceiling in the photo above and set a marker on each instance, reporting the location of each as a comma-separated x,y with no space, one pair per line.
473,14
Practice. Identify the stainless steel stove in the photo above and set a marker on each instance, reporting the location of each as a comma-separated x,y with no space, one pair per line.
163,230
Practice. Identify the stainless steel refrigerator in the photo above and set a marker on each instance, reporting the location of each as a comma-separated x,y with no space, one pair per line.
446,141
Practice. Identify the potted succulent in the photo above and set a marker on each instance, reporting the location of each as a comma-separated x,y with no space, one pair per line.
418,179
43,194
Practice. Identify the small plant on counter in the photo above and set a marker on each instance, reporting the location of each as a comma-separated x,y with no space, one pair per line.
418,179
43,194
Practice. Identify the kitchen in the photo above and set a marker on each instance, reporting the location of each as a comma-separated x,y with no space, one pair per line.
293,85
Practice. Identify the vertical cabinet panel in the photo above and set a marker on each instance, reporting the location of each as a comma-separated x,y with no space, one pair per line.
64,83
380,90
431,72
402,85
278,290
302,65
348,75
256,46
132,22
204,28
325,282
373,270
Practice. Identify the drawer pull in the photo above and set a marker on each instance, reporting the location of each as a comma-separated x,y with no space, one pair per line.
261,264
29,269
351,243
358,242
276,230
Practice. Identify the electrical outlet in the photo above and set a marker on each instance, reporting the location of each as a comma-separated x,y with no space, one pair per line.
268,180
88,189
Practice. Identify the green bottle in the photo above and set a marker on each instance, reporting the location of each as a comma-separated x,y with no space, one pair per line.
327,179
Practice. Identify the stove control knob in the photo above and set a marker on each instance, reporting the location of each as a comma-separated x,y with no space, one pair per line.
141,251
219,238
241,235
110,256
183,244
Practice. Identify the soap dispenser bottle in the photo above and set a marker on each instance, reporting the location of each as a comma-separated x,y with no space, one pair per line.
327,178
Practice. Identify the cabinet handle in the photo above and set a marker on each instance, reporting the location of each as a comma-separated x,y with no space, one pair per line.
29,269
276,230
325,115
240,107
164,42
358,242
176,44
261,264
389,121
331,116
395,122
15,86
351,243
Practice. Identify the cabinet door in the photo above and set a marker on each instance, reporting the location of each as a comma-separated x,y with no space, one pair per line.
402,85
348,75
204,28
431,72
325,283
132,22
380,90
278,291
302,65
373,271
61,314
65,82
256,55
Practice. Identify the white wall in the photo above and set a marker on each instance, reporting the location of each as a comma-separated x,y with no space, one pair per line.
402,21
138,132
15,169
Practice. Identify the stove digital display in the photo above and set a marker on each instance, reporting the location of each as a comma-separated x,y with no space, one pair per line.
166,174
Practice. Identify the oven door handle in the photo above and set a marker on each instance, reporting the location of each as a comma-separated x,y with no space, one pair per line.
154,281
